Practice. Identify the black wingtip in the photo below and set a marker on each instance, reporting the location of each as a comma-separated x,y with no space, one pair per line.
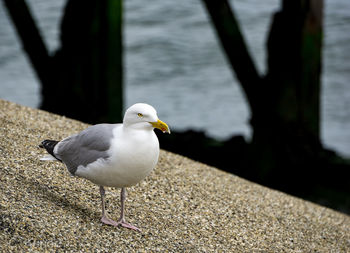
49,145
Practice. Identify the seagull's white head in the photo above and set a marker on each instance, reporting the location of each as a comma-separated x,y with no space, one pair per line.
142,115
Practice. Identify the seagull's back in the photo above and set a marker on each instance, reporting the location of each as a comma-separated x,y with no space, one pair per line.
85,147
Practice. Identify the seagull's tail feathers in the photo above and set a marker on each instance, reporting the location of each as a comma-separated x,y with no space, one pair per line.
48,157
49,145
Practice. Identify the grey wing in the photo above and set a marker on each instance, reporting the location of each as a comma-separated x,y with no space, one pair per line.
85,147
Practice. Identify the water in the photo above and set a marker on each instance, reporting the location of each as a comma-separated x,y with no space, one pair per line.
173,61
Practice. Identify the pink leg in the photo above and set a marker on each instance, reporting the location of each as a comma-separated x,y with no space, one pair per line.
121,220
106,220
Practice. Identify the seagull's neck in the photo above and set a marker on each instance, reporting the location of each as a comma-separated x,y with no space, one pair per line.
141,126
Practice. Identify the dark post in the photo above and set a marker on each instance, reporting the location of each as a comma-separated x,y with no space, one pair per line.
83,79
89,63
232,41
30,38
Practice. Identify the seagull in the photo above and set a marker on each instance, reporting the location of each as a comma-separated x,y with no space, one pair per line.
112,155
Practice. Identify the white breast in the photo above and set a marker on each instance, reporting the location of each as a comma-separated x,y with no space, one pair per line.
133,155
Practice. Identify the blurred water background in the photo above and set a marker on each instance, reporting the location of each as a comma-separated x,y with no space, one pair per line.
173,61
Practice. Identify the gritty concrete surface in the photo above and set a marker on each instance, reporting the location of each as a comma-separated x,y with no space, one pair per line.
183,206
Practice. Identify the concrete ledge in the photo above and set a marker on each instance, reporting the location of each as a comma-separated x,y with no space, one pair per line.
184,206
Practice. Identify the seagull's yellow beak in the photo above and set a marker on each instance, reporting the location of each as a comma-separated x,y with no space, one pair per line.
161,125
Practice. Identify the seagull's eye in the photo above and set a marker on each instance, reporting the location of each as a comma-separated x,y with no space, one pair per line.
140,115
